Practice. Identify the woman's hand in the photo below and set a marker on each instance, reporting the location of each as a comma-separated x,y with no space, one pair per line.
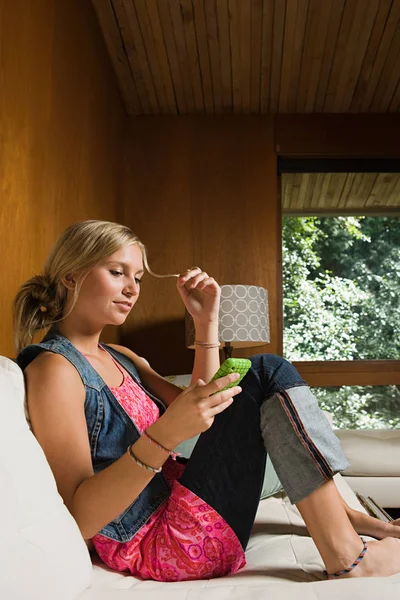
367,525
193,411
395,532
200,294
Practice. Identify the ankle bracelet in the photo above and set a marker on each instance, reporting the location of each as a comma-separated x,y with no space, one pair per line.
353,566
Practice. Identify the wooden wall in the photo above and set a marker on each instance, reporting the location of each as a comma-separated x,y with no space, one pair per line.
200,191
61,125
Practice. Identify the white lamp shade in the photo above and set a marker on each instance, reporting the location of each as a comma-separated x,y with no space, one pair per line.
243,317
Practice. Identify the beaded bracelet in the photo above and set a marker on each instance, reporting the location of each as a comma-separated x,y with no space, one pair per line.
137,461
207,344
172,454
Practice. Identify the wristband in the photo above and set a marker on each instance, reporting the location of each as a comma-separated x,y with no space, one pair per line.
172,454
207,344
139,462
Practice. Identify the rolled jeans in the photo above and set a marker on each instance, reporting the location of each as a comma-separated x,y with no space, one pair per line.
275,413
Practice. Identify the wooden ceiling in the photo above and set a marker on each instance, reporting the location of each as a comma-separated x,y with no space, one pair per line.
351,193
254,56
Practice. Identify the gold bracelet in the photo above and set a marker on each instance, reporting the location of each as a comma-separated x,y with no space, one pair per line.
138,462
207,344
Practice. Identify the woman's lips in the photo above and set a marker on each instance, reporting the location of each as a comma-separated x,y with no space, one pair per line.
124,305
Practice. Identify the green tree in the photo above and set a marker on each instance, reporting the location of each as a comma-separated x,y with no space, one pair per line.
321,312
367,407
366,250
341,287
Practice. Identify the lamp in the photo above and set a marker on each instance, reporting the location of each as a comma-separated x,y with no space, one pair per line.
242,321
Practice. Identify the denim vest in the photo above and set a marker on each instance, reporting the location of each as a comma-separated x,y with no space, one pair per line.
110,429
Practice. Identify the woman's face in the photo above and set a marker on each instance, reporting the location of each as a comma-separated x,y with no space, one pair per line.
111,288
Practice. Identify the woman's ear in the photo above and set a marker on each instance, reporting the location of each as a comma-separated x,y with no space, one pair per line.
69,282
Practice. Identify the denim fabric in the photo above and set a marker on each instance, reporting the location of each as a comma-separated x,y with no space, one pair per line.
110,429
276,412
299,439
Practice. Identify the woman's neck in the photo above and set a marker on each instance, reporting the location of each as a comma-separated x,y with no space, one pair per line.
87,342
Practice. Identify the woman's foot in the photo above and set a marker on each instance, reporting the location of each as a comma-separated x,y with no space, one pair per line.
328,519
381,559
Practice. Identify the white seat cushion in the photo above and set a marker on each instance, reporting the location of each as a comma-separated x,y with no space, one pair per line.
42,553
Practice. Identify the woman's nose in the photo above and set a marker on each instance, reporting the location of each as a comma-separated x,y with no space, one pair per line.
132,289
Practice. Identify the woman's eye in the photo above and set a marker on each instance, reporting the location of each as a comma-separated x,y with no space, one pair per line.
138,280
116,273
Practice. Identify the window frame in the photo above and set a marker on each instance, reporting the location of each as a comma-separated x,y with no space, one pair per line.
337,373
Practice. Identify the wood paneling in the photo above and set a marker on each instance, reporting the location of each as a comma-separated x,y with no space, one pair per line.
340,193
61,123
245,56
200,191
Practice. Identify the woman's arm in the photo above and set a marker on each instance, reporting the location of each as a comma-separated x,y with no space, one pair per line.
206,360
56,399
201,296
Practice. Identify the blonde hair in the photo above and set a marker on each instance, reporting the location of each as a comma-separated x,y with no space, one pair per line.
41,301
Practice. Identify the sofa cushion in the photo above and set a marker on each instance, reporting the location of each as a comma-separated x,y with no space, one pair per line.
42,554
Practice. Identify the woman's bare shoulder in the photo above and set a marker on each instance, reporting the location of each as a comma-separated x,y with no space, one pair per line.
54,389
49,366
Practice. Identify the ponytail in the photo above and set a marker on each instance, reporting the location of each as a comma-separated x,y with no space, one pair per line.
38,304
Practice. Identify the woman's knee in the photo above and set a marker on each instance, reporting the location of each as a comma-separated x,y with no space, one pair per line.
272,359
270,362
276,372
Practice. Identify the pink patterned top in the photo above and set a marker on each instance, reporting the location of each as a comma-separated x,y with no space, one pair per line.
185,538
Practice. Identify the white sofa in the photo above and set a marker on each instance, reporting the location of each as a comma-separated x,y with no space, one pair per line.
43,557
374,457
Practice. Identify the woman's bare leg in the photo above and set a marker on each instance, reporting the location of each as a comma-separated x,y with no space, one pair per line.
328,522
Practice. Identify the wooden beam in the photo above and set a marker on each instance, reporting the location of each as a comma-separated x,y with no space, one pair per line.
345,212
338,135
353,372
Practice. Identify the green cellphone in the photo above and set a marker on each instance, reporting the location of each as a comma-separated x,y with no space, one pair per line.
233,365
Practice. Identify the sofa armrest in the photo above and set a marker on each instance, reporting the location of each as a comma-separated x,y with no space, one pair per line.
371,452
384,490
374,468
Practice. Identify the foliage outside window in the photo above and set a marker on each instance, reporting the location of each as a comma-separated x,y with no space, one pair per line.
367,407
341,293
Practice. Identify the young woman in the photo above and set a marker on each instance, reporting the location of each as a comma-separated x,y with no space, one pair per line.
108,424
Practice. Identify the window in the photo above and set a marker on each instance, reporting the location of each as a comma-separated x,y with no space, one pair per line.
341,283
341,288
